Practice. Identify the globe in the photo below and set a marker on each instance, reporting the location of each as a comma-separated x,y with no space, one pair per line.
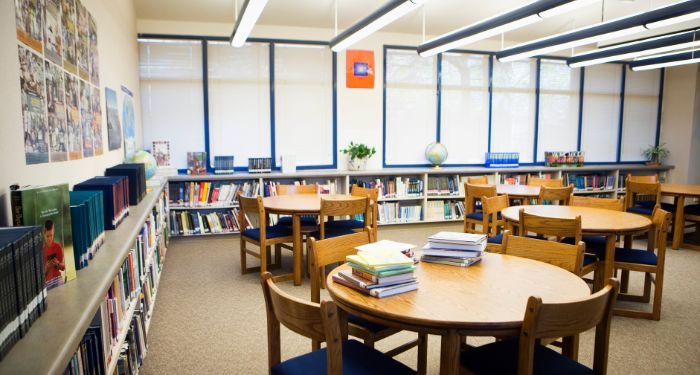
436,153
147,159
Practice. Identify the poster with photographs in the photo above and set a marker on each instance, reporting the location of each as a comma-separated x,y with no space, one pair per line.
86,119
83,42
29,22
31,73
56,113
128,121
96,107
68,30
161,151
92,53
114,128
53,38
75,148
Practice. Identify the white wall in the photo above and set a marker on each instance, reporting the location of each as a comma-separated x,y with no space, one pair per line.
118,58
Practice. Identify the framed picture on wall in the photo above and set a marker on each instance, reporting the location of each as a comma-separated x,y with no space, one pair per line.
359,65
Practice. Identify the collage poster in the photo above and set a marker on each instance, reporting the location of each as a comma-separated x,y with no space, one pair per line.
68,22
29,21
75,149
114,129
86,119
96,122
32,90
92,55
82,43
128,123
55,104
53,39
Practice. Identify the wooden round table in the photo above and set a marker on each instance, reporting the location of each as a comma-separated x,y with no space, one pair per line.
594,221
486,299
679,192
297,205
521,192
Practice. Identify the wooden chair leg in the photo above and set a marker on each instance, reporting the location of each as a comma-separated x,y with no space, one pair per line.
315,345
264,251
243,256
423,353
278,255
624,281
369,341
647,288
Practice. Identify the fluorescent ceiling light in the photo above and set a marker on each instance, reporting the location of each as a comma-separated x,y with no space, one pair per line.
390,12
602,31
673,21
498,24
637,48
666,60
244,25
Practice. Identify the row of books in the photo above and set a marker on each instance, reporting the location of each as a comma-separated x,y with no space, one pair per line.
380,269
398,187
324,187
444,209
22,287
520,178
454,248
444,185
395,212
210,194
89,358
87,225
590,182
135,345
186,223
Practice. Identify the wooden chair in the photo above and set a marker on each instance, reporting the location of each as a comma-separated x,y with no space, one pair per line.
595,244
561,195
333,251
649,178
568,257
649,201
473,217
263,236
308,222
353,223
319,322
548,182
525,355
649,262
478,180
493,222
340,207
635,190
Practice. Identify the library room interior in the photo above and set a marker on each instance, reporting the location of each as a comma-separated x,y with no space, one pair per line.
349,187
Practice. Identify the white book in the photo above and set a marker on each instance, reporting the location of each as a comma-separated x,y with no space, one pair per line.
427,250
385,245
455,247
458,237
392,290
223,192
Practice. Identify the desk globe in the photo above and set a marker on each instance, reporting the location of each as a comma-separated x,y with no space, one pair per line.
147,159
436,153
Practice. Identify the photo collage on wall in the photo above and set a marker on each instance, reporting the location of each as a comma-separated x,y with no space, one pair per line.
59,80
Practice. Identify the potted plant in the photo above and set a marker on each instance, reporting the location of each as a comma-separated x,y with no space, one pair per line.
656,154
358,154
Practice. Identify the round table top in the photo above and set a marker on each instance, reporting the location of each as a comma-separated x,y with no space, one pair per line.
680,189
301,203
489,296
593,220
518,190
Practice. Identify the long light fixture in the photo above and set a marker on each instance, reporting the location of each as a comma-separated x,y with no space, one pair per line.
514,19
244,25
666,60
637,48
381,17
667,15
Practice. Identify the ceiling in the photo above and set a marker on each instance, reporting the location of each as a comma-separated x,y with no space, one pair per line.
441,15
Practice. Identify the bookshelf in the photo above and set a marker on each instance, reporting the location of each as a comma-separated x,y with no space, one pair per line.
49,346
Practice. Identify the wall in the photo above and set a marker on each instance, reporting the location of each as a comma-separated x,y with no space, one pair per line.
118,54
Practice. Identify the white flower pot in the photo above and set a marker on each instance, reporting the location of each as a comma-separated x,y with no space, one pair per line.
357,164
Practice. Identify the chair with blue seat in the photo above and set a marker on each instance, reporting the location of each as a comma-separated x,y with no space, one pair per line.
493,220
562,255
650,201
355,223
263,236
596,244
322,322
473,216
525,355
548,182
308,222
478,180
551,195
332,251
340,207
635,190
650,261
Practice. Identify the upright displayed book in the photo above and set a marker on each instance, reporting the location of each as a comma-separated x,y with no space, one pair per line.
115,192
88,225
196,163
136,174
454,248
49,208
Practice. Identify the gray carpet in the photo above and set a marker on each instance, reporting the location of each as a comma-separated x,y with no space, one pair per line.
209,319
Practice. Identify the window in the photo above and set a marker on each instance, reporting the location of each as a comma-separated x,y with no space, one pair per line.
640,114
513,115
410,106
239,101
601,112
172,94
464,107
558,107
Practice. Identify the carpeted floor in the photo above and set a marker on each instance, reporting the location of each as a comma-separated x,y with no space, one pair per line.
209,319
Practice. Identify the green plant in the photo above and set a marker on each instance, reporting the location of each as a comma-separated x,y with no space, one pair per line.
358,151
656,153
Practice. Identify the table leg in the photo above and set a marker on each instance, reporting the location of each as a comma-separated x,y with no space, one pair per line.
449,353
296,233
625,274
609,258
679,223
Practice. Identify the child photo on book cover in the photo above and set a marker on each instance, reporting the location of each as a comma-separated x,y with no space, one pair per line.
54,263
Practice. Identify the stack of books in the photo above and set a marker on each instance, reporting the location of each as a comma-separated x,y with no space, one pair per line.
115,194
380,269
454,248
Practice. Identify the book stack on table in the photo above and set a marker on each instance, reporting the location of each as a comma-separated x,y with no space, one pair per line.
380,269
454,248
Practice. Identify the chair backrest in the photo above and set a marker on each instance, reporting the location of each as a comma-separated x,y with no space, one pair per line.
556,194
651,191
551,320
296,189
549,226
549,182
648,178
491,207
568,257
478,180
660,219
474,193
251,208
373,194
329,251
317,322
342,207
595,202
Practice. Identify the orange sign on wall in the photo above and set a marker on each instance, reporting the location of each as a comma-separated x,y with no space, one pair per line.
359,65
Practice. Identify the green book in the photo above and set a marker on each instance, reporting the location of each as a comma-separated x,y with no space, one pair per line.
382,273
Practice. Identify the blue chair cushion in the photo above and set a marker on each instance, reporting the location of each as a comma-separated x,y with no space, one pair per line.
347,224
331,232
589,259
670,207
480,216
306,221
357,359
594,244
373,327
692,209
635,256
642,210
270,232
501,357
646,204
498,239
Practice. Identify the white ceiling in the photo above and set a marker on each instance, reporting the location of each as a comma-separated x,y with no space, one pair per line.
441,15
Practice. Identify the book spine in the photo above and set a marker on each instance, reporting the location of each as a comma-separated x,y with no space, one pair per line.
17,217
364,275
